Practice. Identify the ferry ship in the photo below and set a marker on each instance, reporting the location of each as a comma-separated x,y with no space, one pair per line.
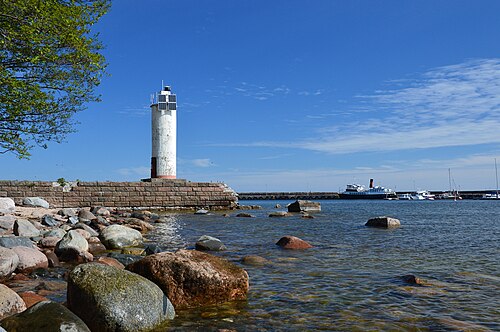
357,191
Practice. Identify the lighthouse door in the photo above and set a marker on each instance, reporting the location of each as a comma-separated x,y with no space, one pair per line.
153,167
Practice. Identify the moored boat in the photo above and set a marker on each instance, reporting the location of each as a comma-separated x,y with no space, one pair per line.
357,191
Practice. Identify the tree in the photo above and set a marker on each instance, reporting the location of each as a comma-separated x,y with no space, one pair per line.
50,65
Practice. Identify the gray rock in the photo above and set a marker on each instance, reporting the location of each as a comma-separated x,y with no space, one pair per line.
110,299
209,243
30,259
118,237
201,211
7,205
7,222
45,316
10,302
89,229
73,240
73,220
306,206
48,220
125,259
56,232
279,214
86,215
152,248
35,202
101,211
8,262
15,241
67,212
383,222
25,228
245,215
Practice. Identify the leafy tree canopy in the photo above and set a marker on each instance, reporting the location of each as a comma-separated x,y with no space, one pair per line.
50,66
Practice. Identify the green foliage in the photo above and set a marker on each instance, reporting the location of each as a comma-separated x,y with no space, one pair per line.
50,66
62,182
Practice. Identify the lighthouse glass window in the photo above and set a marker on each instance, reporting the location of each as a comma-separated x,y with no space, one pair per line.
172,98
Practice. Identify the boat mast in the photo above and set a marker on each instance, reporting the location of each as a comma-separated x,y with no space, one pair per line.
449,178
496,175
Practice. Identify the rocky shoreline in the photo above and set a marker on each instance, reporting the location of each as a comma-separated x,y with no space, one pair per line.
90,269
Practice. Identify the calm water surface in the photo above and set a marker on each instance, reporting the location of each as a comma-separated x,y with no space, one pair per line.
350,280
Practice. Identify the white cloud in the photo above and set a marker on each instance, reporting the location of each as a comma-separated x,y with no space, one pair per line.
457,105
202,162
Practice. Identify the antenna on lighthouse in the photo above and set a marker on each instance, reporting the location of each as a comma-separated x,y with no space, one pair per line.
152,98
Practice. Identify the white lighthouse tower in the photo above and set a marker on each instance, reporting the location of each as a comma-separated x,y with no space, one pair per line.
164,135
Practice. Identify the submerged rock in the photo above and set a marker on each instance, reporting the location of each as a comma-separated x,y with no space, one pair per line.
110,299
292,242
383,222
192,278
279,214
245,215
306,206
254,260
206,242
45,316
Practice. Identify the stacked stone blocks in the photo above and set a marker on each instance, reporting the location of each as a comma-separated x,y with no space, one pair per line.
153,194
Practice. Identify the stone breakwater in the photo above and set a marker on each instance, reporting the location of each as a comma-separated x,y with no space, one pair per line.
99,262
154,194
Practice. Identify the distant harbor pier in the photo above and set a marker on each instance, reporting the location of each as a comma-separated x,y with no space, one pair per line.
287,195
477,194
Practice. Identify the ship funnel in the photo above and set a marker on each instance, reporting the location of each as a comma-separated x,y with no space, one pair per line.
371,183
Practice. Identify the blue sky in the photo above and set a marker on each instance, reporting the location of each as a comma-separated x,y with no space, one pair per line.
294,95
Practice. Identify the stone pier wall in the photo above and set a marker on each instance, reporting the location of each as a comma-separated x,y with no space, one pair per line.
155,194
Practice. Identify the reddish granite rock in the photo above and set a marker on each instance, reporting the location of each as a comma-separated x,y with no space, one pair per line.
52,258
31,298
292,242
110,261
30,259
191,278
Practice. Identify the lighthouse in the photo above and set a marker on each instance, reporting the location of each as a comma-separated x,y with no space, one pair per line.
164,135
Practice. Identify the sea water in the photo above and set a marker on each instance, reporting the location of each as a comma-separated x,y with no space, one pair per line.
351,279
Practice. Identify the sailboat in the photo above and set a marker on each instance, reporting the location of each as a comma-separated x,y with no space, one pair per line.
496,195
453,193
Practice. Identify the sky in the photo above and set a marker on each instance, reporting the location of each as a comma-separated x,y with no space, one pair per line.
289,95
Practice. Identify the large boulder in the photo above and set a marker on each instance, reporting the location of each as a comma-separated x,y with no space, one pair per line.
35,202
118,237
110,299
192,278
30,259
209,243
304,206
292,242
45,316
383,222
10,302
7,205
25,228
8,262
